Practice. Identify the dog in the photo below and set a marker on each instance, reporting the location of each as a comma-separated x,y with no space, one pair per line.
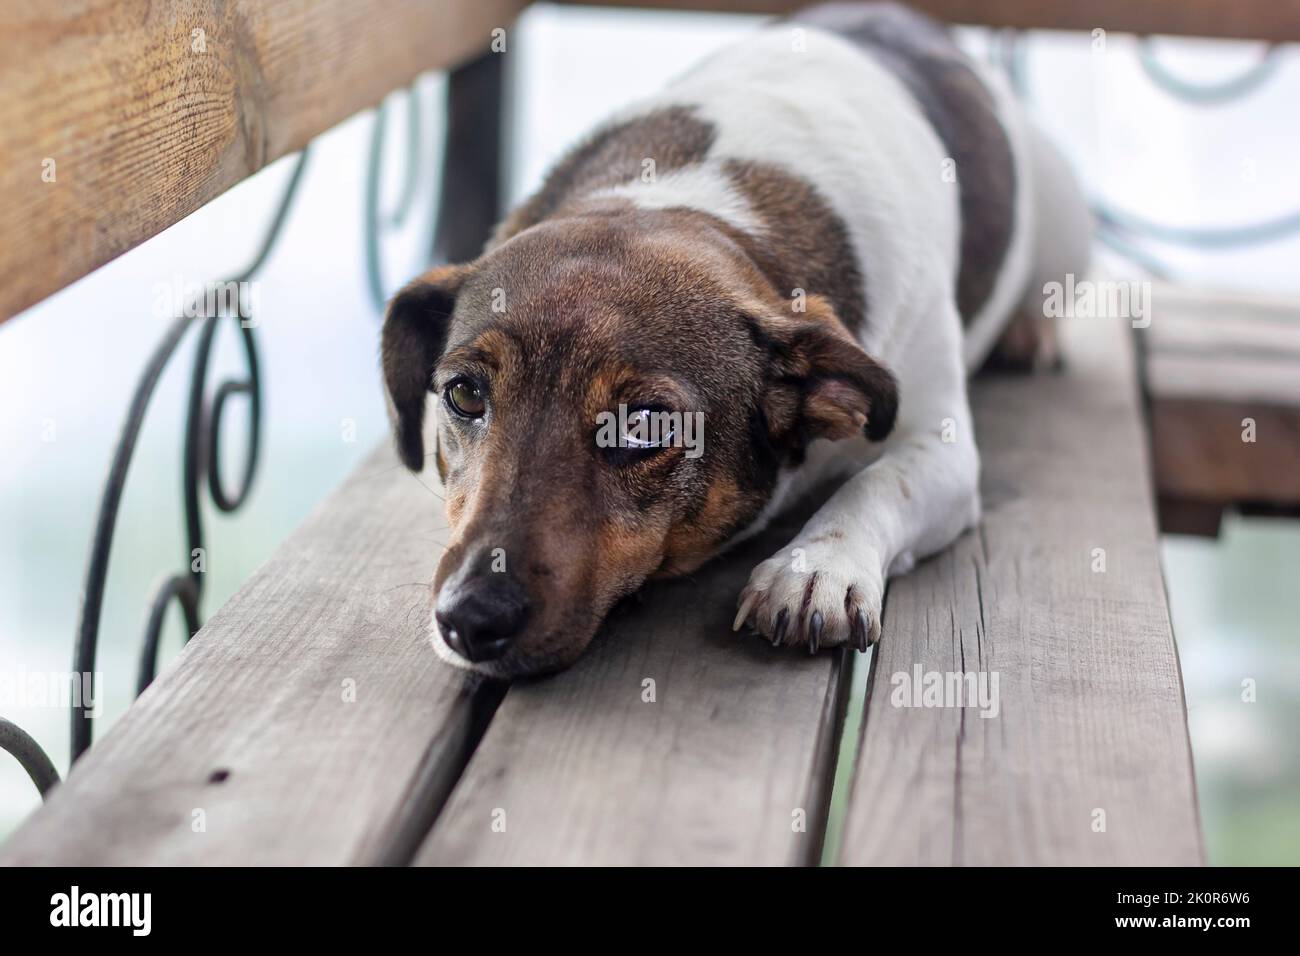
807,243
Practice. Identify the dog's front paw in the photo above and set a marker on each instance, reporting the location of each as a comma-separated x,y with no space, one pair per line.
819,592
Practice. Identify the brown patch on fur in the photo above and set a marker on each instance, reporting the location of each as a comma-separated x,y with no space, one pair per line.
673,137
842,391
836,410
491,352
806,246
818,309
781,405
695,540
455,507
441,463
922,54
626,556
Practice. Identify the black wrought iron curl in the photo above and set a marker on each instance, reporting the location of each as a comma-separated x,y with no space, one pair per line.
375,220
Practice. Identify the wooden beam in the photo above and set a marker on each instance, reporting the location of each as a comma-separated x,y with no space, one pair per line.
1277,20
1087,760
1223,377
140,111
1210,455
731,762
309,721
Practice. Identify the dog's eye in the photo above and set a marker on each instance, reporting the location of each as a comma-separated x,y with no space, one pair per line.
647,429
641,432
465,398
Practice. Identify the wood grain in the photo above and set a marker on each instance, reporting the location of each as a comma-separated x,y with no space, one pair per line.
583,771
145,124
251,726
1242,19
1092,715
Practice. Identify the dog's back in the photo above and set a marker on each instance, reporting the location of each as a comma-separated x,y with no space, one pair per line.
963,112
1024,219
849,146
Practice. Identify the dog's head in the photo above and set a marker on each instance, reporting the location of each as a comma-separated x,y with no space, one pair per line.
615,393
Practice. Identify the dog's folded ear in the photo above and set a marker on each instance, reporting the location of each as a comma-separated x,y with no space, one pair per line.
415,332
823,384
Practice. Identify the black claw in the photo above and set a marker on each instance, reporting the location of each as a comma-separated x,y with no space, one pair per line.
860,632
815,632
778,633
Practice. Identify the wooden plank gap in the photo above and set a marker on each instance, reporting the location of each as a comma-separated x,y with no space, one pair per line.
830,738
448,754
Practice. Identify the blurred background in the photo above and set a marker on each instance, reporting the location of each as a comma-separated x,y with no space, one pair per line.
69,364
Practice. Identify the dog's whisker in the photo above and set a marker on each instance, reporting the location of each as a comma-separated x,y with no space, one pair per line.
381,472
428,489
413,584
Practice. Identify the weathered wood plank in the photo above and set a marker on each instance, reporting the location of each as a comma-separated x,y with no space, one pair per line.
1214,361
1203,465
581,769
252,724
1092,715
150,108
1277,20
1200,453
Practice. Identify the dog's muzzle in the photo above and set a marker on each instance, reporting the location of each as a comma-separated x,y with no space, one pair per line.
480,615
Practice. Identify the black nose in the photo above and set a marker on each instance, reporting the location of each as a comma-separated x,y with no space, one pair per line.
481,617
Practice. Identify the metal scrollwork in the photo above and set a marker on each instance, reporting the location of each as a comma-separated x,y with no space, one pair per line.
374,218
1206,94
16,741
202,463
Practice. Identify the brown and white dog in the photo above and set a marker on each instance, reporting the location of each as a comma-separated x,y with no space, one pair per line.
810,240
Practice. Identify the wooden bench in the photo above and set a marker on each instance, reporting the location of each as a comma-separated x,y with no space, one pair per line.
309,721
